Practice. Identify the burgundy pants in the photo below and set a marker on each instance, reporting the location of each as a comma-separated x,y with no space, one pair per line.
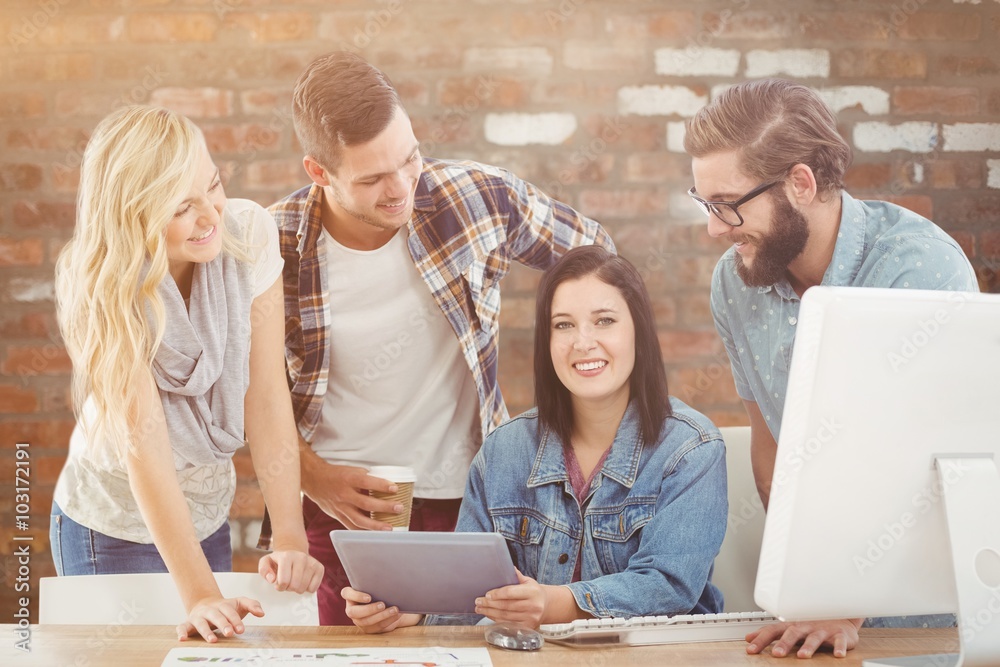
439,515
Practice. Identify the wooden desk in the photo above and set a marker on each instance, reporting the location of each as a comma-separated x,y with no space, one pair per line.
96,646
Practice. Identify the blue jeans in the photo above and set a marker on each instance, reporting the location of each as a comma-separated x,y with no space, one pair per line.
77,549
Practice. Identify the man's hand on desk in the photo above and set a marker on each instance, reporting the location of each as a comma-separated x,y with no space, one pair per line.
841,635
222,614
373,617
342,492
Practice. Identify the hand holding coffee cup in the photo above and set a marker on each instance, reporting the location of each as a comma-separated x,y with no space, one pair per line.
403,477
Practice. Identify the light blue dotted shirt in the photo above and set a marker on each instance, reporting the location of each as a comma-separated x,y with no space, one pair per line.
878,245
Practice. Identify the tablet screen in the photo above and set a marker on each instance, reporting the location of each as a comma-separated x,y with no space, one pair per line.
425,572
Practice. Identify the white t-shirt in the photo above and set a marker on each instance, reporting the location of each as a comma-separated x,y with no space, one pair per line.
400,392
96,493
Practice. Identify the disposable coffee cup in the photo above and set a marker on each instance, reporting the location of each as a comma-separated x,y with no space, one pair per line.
403,477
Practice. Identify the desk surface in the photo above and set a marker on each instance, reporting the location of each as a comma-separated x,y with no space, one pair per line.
148,645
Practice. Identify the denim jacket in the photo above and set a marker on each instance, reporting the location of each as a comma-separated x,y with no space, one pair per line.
651,526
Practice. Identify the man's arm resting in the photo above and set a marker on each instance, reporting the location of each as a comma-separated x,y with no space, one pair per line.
763,450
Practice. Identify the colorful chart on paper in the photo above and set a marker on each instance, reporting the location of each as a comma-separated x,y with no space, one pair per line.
435,656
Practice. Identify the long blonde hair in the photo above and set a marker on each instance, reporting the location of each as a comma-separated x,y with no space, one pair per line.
139,164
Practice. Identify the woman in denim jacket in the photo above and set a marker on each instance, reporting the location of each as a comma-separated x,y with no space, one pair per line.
611,494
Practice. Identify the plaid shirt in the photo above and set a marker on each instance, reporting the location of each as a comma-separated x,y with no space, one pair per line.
469,221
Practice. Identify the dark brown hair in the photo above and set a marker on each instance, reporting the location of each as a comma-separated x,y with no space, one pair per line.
648,382
341,100
773,124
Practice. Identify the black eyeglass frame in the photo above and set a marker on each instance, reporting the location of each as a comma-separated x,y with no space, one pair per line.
710,207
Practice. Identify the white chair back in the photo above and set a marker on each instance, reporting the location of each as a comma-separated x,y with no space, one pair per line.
736,565
152,599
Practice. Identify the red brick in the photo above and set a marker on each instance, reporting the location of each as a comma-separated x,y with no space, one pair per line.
48,138
518,313
575,92
628,133
47,433
695,309
482,91
29,360
832,26
919,204
27,325
266,101
966,65
285,174
618,204
18,400
558,22
935,100
412,93
664,310
686,345
924,25
20,252
993,104
711,384
195,102
181,27
430,56
17,106
868,176
880,64
346,27
56,398
759,25
82,29
989,244
46,467
659,167
15,177
283,65
963,212
951,174
34,67
521,280
677,24
452,127
44,215
585,55
244,139
83,103
65,179
273,26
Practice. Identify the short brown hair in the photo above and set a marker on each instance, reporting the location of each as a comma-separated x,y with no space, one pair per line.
774,125
341,100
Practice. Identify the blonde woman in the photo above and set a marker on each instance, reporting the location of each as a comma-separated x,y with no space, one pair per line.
170,301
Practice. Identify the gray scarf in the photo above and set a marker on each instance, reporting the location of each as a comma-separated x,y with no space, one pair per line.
202,367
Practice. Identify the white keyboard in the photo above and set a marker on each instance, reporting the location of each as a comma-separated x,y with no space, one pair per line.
646,630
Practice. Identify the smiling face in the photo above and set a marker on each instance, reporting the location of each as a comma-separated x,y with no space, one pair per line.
371,192
774,233
592,341
194,235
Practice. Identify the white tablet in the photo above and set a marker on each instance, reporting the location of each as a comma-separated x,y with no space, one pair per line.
425,572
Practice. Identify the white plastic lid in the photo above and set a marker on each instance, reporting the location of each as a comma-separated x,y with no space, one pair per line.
393,473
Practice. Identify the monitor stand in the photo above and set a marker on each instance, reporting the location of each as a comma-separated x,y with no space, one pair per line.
971,492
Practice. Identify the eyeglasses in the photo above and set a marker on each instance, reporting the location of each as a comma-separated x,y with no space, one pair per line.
727,210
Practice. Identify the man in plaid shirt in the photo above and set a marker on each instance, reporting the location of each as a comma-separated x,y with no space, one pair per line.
391,338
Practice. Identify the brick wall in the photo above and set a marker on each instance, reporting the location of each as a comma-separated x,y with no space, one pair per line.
586,99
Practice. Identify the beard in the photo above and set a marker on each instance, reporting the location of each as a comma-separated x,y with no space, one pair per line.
778,248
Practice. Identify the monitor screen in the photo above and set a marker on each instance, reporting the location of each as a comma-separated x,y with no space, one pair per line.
893,406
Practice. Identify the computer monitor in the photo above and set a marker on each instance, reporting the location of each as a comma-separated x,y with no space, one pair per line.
885,499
